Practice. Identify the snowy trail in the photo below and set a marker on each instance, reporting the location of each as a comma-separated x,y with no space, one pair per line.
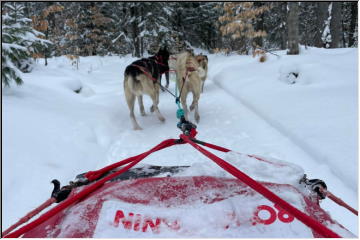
222,116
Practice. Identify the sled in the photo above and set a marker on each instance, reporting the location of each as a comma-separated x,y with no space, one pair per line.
120,201
167,206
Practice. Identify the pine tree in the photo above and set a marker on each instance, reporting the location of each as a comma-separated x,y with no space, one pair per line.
321,21
275,25
19,41
144,26
326,33
199,23
308,28
348,24
353,19
45,22
101,29
259,25
87,29
154,26
121,39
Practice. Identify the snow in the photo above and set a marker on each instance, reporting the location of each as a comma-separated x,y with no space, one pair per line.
310,120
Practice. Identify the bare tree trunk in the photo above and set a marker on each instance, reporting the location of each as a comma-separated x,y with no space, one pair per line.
283,28
335,24
135,32
293,28
343,34
141,39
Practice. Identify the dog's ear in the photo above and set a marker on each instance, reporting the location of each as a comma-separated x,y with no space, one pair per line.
163,48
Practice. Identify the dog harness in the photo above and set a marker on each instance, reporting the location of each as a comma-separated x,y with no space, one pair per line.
143,69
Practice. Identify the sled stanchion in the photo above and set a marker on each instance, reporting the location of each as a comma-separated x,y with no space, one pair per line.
307,220
86,191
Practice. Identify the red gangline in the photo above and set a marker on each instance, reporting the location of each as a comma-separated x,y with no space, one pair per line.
30,215
307,220
340,202
132,161
326,192
86,191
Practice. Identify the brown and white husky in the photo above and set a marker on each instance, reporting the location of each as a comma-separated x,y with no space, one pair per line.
143,77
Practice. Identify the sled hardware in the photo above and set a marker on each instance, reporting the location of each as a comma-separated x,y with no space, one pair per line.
319,187
187,127
315,185
60,194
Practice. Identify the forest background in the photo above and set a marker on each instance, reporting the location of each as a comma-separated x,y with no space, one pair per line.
32,30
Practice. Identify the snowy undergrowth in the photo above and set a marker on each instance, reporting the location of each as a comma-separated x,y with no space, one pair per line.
50,131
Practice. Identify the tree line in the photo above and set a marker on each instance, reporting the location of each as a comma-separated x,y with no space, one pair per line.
139,28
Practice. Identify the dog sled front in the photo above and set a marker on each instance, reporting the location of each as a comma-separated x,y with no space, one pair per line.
200,206
117,201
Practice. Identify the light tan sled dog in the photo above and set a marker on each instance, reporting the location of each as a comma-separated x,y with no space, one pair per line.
189,74
203,62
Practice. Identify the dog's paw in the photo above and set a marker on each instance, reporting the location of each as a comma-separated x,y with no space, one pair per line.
197,118
162,119
137,128
143,114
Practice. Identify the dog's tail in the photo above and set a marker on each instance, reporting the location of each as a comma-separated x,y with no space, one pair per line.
129,82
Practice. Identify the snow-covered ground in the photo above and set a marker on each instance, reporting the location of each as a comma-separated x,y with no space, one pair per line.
49,131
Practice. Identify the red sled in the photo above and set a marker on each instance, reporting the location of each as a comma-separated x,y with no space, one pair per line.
184,207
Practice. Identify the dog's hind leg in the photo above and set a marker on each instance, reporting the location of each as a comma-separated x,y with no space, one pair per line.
184,105
167,79
195,106
197,115
155,108
130,99
152,108
141,105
